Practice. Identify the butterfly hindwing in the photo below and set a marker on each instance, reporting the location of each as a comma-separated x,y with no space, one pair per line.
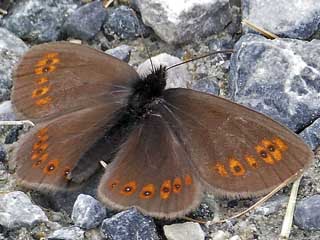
56,78
237,151
48,154
151,171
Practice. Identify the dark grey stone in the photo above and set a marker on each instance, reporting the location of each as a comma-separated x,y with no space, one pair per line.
294,19
123,22
307,213
181,23
17,210
2,153
121,52
129,224
11,49
86,21
67,233
37,20
13,134
279,78
311,135
87,212
207,85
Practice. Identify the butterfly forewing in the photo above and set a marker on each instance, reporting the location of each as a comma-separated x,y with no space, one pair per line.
57,78
237,151
152,171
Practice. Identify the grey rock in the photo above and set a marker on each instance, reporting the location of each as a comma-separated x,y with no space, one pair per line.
121,52
176,77
87,212
2,153
311,135
272,206
183,21
294,19
6,111
11,49
37,20
67,233
86,21
207,85
123,22
280,78
17,210
13,134
129,224
307,213
183,231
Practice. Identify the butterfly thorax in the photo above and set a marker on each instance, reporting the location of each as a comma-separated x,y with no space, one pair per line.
146,91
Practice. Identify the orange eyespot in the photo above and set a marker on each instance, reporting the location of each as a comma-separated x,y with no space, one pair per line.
188,180
251,161
262,153
42,80
177,185
147,191
44,157
37,163
236,167
129,188
35,156
165,189
51,166
44,69
221,170
43,101
40,92
43,138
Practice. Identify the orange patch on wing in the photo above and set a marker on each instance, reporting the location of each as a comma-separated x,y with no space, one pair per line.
147,191
280,144
236,167
277,155
188,180
44,69
251,161
51,166
129,188
40,91
51,55
37,163
42,132
262,152
44,101
35,156
42,80
220,169
177,185
165,189
44,157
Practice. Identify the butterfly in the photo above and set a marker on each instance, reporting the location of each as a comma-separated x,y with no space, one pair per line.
166,146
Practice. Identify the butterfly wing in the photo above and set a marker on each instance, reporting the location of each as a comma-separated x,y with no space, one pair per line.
57,78
151,171
51,151
237,151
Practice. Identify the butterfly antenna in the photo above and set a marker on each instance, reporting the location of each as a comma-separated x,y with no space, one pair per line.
202,56
144,43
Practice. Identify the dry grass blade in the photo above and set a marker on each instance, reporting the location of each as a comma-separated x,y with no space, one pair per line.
262,200
22,122
107,3
260,30
288,218
3,12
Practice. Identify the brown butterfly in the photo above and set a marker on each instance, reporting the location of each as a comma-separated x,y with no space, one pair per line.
168,146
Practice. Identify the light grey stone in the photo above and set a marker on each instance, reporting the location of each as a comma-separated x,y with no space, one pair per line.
183,231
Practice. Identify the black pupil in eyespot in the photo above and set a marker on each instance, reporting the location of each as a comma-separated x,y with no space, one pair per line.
147,193
237,168
263,154
128,189
165,189
271,148
177,186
